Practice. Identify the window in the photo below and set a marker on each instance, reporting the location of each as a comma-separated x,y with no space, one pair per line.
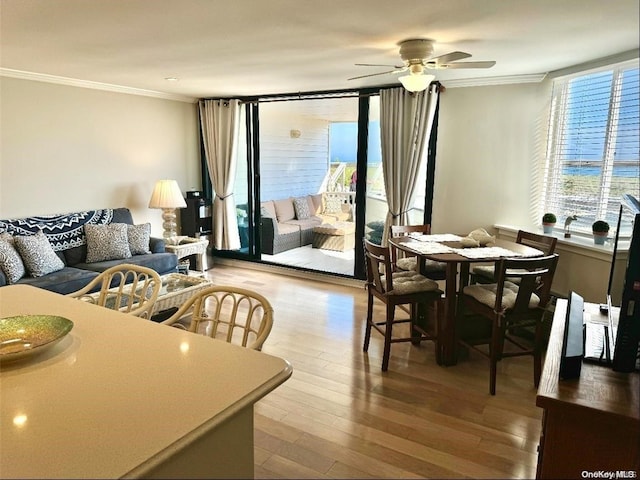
593,152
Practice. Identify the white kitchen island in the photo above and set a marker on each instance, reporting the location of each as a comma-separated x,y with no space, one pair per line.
125,397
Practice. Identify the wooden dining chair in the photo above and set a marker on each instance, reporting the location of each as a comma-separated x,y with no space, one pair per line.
395,289
129,288
505,307
544,243
235,315
402,260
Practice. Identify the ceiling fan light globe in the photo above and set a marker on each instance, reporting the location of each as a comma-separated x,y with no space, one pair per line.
416,69
416,83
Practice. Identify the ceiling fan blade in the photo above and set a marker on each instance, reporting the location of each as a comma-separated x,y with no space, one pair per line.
450,57
375,74
377,65
469,65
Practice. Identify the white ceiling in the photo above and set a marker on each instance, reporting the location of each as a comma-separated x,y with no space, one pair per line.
247,47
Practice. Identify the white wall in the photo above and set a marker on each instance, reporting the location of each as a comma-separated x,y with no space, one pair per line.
291,167
490,143
66,149
489,140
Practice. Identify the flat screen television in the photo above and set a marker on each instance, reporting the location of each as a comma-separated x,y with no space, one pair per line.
627,337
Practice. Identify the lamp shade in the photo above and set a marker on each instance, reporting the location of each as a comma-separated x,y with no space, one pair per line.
416,83
167,194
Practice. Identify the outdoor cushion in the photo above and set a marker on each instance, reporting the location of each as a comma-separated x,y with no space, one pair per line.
333,205
317,200
284,210
288,228
301,207
269,208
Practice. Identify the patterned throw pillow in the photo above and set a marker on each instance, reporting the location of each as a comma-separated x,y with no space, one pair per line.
301,206
138,236
334,205
38,255
107,242
10,261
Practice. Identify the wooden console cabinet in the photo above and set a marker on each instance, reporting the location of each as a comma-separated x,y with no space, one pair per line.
589,424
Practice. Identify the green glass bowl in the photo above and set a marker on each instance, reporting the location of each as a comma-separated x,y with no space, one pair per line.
25,335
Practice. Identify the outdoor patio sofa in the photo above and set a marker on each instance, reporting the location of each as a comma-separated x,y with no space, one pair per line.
288,223
54,252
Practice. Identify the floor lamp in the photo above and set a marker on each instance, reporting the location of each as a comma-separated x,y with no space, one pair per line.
167,196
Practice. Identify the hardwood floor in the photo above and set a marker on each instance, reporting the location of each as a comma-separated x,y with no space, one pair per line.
340,416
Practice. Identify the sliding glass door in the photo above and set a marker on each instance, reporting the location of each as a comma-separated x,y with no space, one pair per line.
308,156
309,184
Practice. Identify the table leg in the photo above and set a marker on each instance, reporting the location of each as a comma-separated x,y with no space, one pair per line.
448,331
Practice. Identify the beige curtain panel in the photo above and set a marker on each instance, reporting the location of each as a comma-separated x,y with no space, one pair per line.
220,127
406,120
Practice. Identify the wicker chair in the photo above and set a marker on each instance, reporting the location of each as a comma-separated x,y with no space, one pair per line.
234,314
399,289
129,288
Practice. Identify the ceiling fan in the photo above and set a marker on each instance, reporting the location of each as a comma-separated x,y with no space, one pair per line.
416,56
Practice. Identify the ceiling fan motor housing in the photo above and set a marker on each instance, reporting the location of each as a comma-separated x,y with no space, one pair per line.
415,51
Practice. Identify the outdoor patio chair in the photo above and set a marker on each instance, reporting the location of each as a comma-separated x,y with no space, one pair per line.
129,288
233,314
397,289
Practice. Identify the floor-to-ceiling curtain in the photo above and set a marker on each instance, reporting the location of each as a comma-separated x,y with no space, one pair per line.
406,120
220,125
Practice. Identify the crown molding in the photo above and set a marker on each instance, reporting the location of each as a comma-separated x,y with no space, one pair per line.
487,81
74,82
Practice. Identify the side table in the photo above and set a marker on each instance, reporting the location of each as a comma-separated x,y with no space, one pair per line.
191,246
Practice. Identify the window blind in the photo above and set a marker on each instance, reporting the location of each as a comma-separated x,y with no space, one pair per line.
593,154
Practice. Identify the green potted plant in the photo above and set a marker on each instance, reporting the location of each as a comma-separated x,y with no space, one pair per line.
548,222
600,230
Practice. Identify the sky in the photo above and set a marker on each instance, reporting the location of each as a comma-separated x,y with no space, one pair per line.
343,142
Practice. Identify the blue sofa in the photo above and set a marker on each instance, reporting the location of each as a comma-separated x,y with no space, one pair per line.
66,235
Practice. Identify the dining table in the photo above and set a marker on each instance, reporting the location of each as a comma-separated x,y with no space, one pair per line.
450,249
90,392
